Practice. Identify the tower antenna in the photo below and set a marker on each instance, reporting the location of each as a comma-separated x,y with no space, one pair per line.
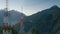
6,5
6,13
6,24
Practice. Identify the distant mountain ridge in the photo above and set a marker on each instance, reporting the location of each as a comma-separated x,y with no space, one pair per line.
46,21
13,18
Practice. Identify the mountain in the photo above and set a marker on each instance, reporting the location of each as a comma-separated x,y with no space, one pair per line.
13,18
43,22
46,21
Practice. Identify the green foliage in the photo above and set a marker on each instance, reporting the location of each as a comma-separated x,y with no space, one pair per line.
34,30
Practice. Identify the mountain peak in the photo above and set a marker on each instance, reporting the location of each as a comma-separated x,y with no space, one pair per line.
55,6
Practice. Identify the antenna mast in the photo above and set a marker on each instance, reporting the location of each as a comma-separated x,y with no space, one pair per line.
6,13
6,5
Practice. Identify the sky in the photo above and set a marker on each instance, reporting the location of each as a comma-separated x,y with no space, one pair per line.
29,7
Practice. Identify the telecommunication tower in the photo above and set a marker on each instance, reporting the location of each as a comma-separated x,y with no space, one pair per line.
6,25
6,13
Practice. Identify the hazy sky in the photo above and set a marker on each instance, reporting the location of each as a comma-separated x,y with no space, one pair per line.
29,6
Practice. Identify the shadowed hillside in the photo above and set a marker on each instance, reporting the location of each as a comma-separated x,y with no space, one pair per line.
47,21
